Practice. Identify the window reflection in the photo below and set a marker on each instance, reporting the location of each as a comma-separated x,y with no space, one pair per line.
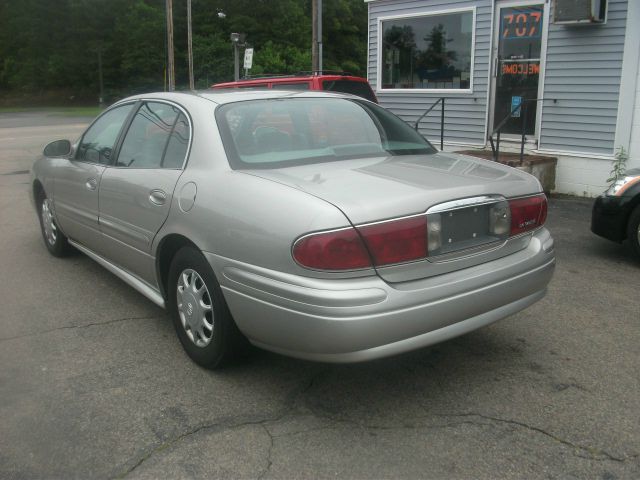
428,52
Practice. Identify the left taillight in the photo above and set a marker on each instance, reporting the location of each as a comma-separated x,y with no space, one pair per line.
333,250
377,244
527,213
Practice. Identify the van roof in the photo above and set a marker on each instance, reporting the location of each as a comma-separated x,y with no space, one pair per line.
293,78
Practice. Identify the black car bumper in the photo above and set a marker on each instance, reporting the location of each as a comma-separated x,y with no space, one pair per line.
609,217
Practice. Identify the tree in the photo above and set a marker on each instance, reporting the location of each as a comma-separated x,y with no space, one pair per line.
274,59
436,56
345,35
400,45
138,49
52,46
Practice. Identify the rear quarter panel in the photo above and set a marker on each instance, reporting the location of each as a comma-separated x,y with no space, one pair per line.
249,219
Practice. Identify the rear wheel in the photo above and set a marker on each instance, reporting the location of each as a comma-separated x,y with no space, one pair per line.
54,239
199,312
633,230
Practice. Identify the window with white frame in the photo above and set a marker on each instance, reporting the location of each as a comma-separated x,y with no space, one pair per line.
427,52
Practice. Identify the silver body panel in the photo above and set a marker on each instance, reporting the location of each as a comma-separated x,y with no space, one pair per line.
374,189
361,319
142,287
76,200
246,221
130,215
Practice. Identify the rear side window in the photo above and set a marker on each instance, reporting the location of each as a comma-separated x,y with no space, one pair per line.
148,136
178,144
291,86
98,142
360,89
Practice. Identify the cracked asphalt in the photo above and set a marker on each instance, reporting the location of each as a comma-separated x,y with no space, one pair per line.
94,383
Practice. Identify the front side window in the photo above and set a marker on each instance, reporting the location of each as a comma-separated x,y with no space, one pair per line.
427,52
145,141
283,132
97,143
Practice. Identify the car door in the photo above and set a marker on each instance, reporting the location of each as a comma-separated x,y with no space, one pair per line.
77,179
137,189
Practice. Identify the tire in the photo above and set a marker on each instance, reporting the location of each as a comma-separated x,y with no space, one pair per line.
55,241
633,230
202,319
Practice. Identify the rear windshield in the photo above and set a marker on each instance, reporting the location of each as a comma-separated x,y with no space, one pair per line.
274,133
290,86
253,85
360,89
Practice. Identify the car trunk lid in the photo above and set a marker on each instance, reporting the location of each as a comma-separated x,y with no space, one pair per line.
376,189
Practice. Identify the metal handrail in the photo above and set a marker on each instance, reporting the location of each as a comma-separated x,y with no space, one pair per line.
495,148
441,99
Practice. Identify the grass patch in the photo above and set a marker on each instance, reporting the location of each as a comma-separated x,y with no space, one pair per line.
79,111
61,111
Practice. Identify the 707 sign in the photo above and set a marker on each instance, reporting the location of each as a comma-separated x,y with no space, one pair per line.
521,23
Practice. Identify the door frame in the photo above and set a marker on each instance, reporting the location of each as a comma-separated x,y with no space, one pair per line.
493,56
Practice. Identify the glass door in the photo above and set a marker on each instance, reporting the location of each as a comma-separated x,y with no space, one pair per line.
517,64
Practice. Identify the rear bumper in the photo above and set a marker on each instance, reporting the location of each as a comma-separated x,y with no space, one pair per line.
609,217
362,319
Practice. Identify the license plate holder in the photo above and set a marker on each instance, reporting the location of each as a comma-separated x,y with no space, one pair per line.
465,228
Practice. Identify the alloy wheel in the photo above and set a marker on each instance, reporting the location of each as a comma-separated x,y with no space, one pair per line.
195,307
49,225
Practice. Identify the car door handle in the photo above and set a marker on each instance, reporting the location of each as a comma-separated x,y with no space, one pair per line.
157,197
91,184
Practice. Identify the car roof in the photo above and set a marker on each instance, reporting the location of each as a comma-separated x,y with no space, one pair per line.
223,96
230,95
290,79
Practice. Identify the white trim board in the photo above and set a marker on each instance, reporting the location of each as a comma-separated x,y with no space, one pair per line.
629,77
569,153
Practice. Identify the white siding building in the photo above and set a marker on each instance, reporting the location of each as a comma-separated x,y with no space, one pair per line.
634,142
575,74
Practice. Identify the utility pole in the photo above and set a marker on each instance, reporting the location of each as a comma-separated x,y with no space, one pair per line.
236,62
189,42
316,33
319,39
238,40
314,36
101,98
170,62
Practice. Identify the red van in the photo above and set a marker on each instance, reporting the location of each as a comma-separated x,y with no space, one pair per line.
329,81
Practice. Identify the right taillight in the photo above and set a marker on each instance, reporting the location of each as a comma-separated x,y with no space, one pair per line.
527,213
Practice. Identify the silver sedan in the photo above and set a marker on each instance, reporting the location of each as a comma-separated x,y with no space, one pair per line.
314,225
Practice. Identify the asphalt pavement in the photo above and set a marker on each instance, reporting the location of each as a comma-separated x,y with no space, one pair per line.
94,383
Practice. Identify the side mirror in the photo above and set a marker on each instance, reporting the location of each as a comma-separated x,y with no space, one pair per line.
59,148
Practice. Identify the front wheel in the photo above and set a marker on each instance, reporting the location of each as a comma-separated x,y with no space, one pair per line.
633,230
54,239
199,312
